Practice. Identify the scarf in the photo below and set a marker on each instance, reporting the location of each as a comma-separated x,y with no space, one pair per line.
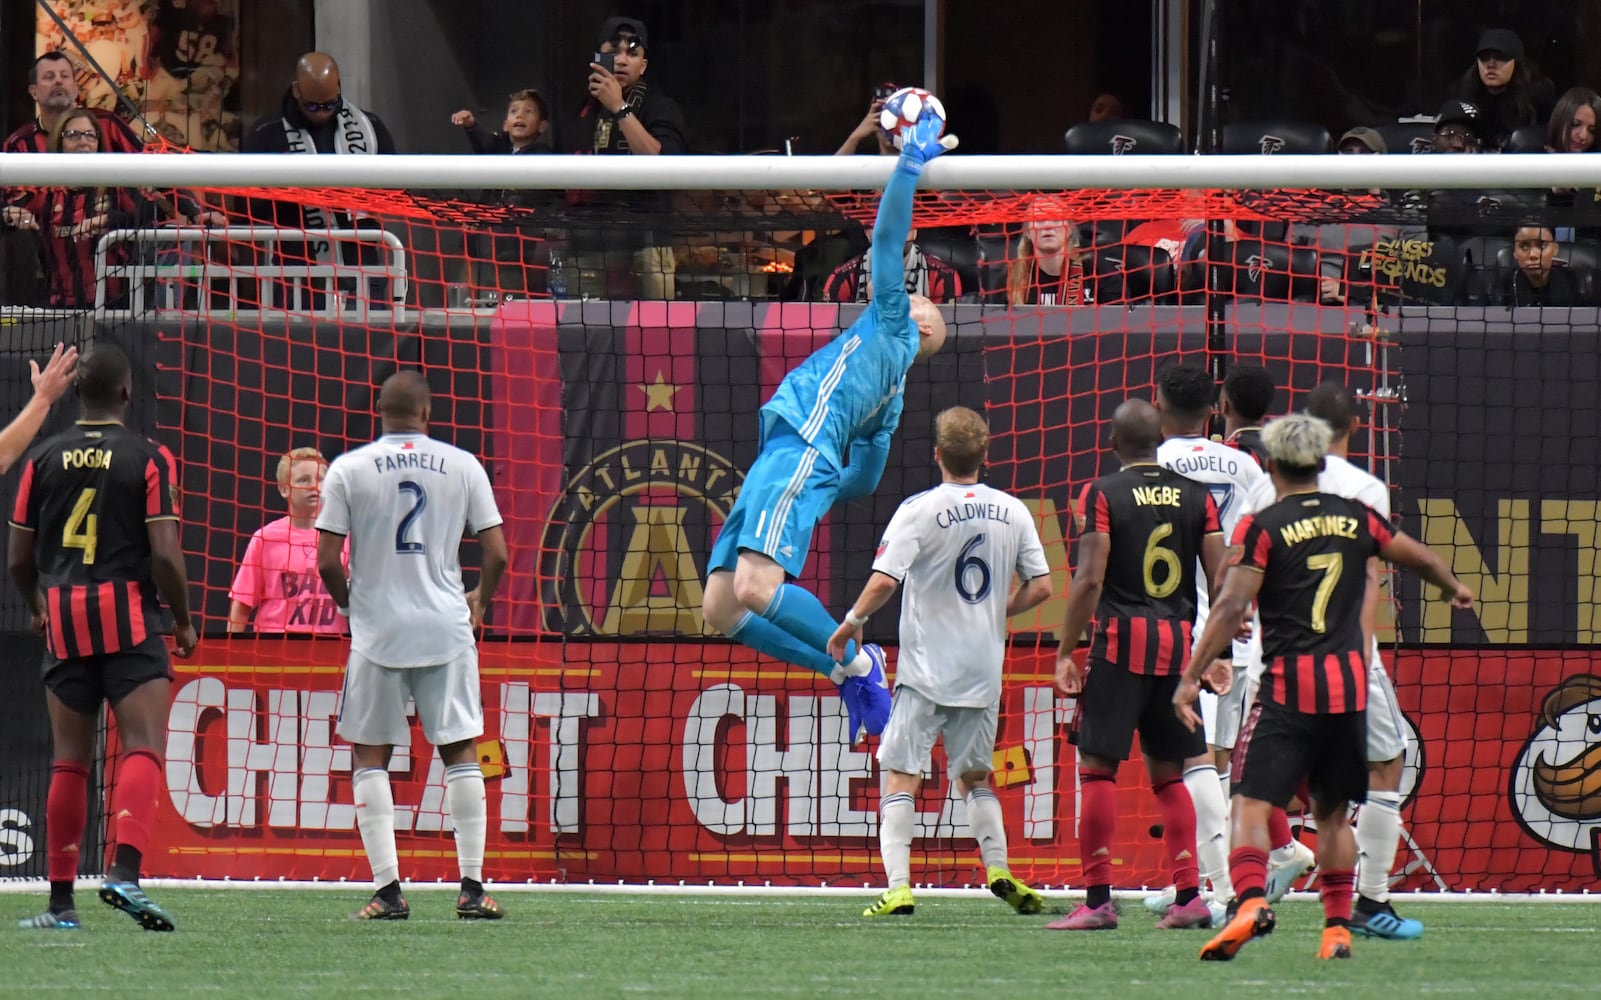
353,133
603,126
916,273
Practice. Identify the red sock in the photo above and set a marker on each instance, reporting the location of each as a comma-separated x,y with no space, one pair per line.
1337,886
1248,871
1097,820
66,808
133,800
1278,829
1178,832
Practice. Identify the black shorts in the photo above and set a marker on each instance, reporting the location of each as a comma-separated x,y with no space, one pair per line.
1116,703
1279,748
83,683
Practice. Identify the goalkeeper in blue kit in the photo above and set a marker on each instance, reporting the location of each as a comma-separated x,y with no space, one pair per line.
843,400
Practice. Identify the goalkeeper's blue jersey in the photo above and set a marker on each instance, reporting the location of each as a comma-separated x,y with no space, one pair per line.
851,388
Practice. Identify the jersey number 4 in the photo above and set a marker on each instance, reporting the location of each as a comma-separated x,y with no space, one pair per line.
404,545
82,530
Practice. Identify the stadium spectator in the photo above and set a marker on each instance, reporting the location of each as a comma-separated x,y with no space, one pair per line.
277,579
926,275
1045,269
1504,87
69,221
1571,128
510,260
316,118
1334,241
1537,280
625,115
1106,108
1461,127
53,85
868,127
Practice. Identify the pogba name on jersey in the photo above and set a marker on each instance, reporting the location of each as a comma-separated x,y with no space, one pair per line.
952,516
1320,526
86,458
1187,464
408,460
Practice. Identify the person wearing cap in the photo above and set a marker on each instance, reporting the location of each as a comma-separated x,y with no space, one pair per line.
1506,88
1361,140
1460,127
625,115
1337,242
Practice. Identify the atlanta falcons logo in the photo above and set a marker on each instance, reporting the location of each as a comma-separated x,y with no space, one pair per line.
1123,144
1254,266
1270,144
1420,144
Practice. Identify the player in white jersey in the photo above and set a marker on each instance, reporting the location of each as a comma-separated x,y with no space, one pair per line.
404,502
1185,395
1378,823
953,550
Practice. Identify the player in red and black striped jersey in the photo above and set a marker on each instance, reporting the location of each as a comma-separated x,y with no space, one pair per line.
1248,392
1145,527
1304,561
94,538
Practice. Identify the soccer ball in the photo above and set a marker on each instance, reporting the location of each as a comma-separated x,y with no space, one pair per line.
905,108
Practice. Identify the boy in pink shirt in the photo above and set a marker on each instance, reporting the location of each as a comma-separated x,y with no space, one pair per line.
278,577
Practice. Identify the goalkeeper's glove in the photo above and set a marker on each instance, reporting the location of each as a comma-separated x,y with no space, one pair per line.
922,142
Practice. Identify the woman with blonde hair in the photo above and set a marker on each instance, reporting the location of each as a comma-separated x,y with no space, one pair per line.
1046,270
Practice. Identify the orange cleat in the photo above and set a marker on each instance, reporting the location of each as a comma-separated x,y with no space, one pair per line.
1254,919
1336,943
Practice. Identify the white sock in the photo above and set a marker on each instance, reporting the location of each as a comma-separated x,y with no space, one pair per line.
896,813
1211,828
984,819
1378,833
375,818
859,666
464,794
1224,781
1283,855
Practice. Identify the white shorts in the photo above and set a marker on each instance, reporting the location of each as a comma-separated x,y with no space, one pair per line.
450,704
915,722
1387,728
1221,716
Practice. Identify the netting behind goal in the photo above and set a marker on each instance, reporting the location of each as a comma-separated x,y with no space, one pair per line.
623,740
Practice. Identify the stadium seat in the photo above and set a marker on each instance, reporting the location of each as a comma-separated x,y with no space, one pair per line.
958,247
1528,139
1275,271
1269,136
1408,137
1129,273
1116,138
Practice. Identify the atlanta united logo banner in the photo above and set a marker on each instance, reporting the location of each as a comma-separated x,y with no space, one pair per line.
656,761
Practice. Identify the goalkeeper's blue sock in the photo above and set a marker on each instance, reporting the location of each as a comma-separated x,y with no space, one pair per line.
763,636
797,611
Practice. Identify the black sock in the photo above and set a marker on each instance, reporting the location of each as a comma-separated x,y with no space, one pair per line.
1253,894
390,894
1366,905
472,886
1098,896
1336,922
61,896
125,864
1184,896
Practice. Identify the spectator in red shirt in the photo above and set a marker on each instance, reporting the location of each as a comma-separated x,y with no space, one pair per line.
54,89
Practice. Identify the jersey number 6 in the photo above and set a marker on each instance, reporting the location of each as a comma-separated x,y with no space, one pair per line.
404,545
1157,555
967,562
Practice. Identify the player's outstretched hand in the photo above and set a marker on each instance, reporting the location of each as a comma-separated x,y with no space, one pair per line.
1184,702
1463,597
922,142
1219,677
185,639
1069,675
842,635
58,373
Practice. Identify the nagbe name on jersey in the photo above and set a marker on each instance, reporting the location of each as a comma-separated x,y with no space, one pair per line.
406,460
1158,496
1187,464
973,512
1319,526
86,458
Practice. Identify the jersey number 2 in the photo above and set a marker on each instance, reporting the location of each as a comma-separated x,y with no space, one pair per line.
404,545
83,528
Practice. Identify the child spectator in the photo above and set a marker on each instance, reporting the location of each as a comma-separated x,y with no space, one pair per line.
525,130
278,577
512,259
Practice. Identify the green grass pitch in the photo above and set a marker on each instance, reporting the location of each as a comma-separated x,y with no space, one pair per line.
269,943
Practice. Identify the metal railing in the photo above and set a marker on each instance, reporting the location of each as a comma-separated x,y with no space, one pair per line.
166,264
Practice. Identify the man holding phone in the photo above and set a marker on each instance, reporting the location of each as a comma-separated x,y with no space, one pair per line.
868,126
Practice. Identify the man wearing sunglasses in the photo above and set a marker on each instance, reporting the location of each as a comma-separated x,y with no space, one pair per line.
624,116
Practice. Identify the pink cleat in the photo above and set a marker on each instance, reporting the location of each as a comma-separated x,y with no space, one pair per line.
1102,918
1195,913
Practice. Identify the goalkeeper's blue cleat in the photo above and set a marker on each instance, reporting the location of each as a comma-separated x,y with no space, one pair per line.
130,899
51,920
894,903
1018,896
867,698
1384,923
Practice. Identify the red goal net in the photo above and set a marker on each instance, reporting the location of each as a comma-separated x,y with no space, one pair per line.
626,742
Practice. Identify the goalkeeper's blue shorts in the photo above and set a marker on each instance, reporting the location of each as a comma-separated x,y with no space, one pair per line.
784,495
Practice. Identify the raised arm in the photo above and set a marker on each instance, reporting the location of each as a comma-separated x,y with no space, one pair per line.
919,144
1404,550
48,385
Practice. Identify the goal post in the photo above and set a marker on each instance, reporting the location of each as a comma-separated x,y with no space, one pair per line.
624,740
